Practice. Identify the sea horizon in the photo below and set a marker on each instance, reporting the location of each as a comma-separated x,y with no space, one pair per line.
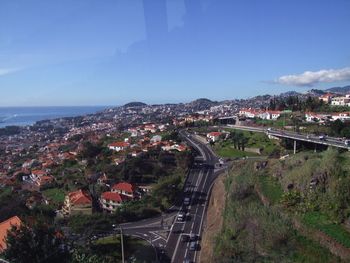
28,115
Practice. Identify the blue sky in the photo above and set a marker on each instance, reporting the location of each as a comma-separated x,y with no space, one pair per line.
93,52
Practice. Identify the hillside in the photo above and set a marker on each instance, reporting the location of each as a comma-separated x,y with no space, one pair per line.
341,90
201,104
293,210
134,104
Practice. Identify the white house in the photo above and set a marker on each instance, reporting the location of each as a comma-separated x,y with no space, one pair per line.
110,201
214,136
156,138
343,116
316,117
326,98
341,101
249,113
118,146
273,115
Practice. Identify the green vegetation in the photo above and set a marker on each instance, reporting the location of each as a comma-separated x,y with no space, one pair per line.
310,104
43,243
309,251
284,120
37,243
167,190
339,128
12,203
56,195
317,189
240,140
255,233
321,222
108,249
270,188
5,193
226,150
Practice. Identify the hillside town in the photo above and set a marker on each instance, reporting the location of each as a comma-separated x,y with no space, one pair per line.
79,166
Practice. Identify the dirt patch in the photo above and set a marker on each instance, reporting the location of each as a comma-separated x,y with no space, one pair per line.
214,220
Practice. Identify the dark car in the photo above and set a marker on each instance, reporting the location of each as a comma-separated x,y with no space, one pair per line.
193,237
193,246
185,238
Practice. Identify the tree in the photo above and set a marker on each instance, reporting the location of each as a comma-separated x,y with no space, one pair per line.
184,159
234,138
345,132
90,150
84,257
39,243
240,140
243,142
336,127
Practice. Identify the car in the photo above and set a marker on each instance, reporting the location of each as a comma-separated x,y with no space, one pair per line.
181,217
185,238
187,201
347,142
322,137
193,245
193,237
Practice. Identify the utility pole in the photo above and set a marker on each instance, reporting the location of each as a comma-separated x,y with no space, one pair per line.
295,146
122,244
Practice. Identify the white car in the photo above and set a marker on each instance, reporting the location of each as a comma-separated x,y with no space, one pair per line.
181,217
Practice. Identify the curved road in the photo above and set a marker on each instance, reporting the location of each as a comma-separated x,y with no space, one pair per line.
165,232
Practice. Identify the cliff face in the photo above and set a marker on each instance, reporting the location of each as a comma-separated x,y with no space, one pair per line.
214,220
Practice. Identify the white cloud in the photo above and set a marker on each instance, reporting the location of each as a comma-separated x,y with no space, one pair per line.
5,71
310,78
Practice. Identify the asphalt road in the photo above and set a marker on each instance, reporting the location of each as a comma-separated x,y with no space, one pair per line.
165,232
327,140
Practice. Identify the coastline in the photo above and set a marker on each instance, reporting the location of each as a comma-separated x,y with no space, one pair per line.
26,116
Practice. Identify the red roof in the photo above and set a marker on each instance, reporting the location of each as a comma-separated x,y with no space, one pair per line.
6,226
274,112
79,198
113,197
326,95
38,172
45,179
182,148
119,144
124,187
214,134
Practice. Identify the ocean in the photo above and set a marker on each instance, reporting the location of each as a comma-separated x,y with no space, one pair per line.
22,116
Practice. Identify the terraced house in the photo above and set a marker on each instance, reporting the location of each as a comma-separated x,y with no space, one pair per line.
78,202
110,201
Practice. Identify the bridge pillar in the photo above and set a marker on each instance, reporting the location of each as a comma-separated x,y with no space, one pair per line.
295,146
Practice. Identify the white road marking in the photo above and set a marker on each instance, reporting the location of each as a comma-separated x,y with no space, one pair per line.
201,223
156,239
183,226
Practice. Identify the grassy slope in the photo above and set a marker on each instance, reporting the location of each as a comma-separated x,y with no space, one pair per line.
55,194
234,243
136,250
229,152
259,140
